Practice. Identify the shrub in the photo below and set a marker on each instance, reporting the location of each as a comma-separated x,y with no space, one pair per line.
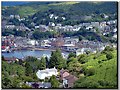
109,55
86,83
82,59
107,49
71,55
90,71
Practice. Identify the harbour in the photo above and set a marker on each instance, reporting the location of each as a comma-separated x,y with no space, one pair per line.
35,53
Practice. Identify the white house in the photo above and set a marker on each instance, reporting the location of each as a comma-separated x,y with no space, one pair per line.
115,30
51,15
56,17
115,36
89,27
79,51
33,42
83,50
63,18
42,74
45,43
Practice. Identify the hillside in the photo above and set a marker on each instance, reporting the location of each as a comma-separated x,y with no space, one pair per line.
73,8
105,75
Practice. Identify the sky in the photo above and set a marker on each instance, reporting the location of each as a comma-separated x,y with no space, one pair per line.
12,3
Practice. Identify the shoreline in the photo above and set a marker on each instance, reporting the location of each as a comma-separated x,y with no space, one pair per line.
34,49
40,49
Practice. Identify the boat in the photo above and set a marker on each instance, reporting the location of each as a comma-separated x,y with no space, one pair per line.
6,51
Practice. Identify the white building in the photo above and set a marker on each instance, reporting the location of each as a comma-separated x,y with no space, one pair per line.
33,42
80,51
45,43
83,51
115,36
63,18
42,74
115,30
51,15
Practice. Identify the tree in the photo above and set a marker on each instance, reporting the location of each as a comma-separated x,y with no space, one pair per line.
6,83
42,64
89,71
54,82
3,58
86,83
25,86
28,69
71,55
82,58
56,60
47,62
74,66
33,62
107,49
80,38
16,82
109,55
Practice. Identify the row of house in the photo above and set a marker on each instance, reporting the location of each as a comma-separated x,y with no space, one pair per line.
21,27
74,45
100,25
67,44
8,43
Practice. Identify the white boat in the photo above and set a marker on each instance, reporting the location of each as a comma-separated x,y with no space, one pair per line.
4,51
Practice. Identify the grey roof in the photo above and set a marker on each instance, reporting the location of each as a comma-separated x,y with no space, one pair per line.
47,85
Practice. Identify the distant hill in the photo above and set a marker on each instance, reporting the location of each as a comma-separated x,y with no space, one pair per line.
74,12
104,7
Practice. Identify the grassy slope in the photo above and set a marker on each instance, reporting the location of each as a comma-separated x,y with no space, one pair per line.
23,11
30,9
106,70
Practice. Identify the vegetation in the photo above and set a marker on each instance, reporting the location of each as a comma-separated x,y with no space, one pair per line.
98,70
56,60
8,32
109,56
14,75
74,66
54,82
82,58
40,35
42,64
71,55
73,11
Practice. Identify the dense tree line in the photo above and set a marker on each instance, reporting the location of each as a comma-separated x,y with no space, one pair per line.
8,32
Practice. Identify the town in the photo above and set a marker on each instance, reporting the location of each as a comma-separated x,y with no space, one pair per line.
91,45
11,42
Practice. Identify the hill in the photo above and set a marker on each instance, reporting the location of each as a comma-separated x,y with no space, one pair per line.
72,8
105,72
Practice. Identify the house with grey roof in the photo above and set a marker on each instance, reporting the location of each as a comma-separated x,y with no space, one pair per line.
39,84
